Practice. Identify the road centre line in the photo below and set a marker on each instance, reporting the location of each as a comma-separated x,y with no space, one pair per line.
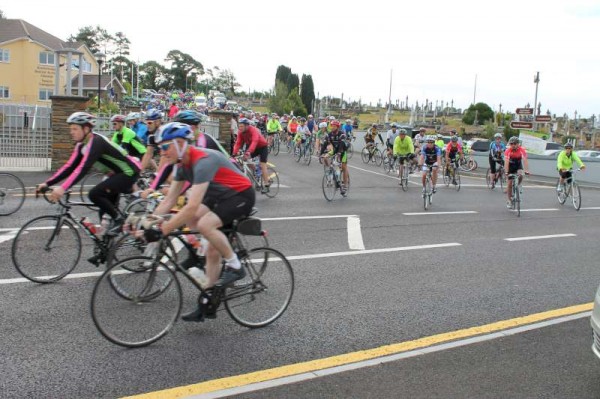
293,257
540,237
311,369
538,210
438,213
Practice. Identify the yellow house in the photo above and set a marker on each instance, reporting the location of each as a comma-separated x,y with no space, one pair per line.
30,59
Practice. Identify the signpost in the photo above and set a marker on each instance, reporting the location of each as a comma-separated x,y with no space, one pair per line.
524,111
543,118
521,125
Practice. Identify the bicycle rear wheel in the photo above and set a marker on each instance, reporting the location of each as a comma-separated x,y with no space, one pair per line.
46,249
378,157
274,180
329,186
576,196
350,150
12,194
456,181
265,293
141,308
488,178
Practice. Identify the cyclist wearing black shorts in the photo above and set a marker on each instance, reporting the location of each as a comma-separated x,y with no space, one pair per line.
496,156
335,145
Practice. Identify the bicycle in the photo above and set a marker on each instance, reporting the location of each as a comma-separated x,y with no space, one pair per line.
275,143
428,189
499,176
332,180
47,248
468,163
254,173
515,193
406,170
146,301
372,153
350,147
12,194
570,189
451,174
304,151
389,164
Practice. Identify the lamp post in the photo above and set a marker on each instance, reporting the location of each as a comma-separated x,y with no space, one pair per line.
100,57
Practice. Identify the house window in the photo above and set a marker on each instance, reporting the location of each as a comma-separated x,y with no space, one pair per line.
45,94
4,55
46,58
87,67
4,92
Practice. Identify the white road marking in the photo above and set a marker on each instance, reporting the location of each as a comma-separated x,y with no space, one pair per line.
355,240
8,237
538,210
540,237
591,207
309,217
437,213
295,257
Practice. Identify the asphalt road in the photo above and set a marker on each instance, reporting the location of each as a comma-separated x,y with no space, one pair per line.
346,300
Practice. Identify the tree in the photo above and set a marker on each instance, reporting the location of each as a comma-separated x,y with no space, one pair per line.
182,64
2,16
293,83
277,102
282,74
483,112
294,103
307,92
86,35
153,75
121,50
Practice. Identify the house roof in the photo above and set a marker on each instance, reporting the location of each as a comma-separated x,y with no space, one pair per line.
14,29
90,82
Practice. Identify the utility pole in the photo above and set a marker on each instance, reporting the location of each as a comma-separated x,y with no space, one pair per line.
536,80
475,89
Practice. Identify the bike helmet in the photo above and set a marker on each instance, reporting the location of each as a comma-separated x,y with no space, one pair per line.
331,117
394,124
453,131
568,145
454,139
513,140
173,130
422,129
82,119
117,118
430,139
498,135
374,125
153,115
402,131
302,119
188,116
439,136
245,121
335,123
310,116
322,125
132,116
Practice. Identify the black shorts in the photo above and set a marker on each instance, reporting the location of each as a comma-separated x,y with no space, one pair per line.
565,175
514,167
389,146
232,208
262,152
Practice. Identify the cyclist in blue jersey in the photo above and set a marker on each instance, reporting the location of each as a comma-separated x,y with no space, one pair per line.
139,127
496,156
431,157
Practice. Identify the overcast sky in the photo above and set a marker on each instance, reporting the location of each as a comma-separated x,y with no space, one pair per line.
435,48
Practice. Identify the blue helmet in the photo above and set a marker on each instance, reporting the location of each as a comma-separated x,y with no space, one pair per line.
153,115
188,116
173,130
245,121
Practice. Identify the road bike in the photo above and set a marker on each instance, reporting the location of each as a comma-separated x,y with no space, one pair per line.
372,153
468,163
451,174
275,142
569,188
12,194
499,177
254,173
304,151
350,147
138,300
390,164
515,195
428,189
332,180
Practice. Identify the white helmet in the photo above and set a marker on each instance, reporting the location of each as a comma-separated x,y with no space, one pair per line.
322,125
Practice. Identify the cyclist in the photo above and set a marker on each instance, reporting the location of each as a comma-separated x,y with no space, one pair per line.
292,128
302,133
431,157
256,145
135,124
335,142
390,138
94,150
452,149
273,127
310,123
126,138
514,158
153,121
496,156
453,133
370,136
440,142
219,194
321,136
564,164
347,129
403,150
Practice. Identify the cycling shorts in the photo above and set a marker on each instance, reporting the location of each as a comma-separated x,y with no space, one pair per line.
232,208
262,152
427,166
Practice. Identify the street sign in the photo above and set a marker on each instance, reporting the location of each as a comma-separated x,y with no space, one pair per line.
521,125
543,118
524,111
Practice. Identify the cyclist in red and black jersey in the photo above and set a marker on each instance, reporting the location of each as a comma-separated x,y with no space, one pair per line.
514,159
256,146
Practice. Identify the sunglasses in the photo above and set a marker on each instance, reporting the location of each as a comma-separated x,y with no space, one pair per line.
165,146
513,143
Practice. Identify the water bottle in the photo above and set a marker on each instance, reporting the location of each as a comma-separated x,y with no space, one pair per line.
104,224
198,275
192,240
89,225
258,171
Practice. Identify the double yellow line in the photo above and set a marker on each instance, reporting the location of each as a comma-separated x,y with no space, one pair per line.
354,357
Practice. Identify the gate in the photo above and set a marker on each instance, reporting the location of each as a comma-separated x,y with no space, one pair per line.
25,137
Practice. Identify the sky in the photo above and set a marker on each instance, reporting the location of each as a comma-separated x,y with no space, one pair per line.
434,49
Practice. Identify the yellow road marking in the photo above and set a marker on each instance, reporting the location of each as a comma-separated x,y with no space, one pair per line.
333,361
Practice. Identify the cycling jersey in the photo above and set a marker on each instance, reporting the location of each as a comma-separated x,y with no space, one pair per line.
370,134
302,132
431,154
453,150
515,156
273,126
100,153
440,143
251,138
335,139
565,161
292,127
141,130
390,137
497,150
127,139
403,147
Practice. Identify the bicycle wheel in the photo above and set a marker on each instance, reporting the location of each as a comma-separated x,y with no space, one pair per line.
387,164
378,157
307,155
456,179
265,293
502,180
46,249
12,194
562,195
141,308
404,179
426,194
274,181
471,165
516,199
488,178
350,150
141,206
87,183
329,186
576,196
299,153
365,156
445,175
276,143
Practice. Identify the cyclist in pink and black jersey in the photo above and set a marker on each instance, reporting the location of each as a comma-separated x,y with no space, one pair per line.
514,158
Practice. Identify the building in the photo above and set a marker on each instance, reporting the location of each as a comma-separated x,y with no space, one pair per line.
30,59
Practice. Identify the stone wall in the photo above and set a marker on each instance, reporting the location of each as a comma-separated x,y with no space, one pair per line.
62,143
224,118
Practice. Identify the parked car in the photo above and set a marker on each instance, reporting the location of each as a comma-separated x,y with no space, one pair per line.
588,154
200,101
220,100
480,146
595,321
551,153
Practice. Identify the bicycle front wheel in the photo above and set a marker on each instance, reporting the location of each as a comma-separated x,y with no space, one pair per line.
456,181
562,194
488,178
365,156
576,196
517,199
265,293
446,175
404,179
46,249
329,186
378,157
12,194
350,151
274,182
307,155
136,309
